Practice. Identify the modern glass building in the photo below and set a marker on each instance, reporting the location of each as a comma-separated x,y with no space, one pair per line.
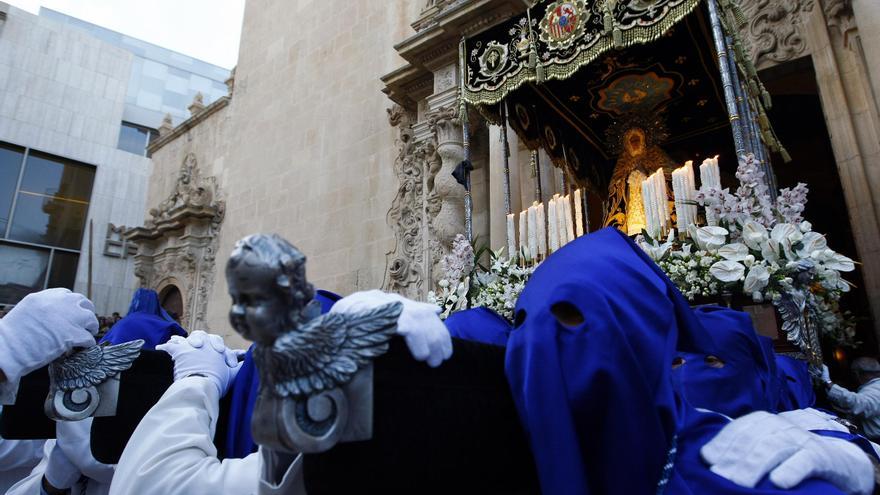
161,82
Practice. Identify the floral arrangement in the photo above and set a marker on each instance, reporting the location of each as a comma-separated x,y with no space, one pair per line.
468,284
763,249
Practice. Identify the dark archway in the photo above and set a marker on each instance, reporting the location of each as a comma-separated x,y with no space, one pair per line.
172,300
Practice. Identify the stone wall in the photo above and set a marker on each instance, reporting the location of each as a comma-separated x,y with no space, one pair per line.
62,92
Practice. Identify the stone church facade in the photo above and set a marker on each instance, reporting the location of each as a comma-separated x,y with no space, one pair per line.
342,138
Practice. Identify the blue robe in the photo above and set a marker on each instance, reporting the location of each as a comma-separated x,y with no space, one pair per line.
145,320
796,384
479,325
745,383
596,397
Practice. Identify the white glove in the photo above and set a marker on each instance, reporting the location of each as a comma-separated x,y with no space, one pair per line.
760,443
42,327
426,336
826,375
74,440
60,471
813,419
202,354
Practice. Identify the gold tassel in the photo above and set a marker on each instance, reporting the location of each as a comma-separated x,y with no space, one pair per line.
763,121
617,36
786,157
609,20
765,95
753,88
533,59
539,72
739,15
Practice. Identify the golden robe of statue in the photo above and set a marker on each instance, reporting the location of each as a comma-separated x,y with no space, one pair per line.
637,161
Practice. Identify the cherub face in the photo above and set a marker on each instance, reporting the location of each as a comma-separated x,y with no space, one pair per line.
258,304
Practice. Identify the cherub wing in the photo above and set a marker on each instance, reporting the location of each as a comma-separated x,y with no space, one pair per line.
95,365
327,351
791,311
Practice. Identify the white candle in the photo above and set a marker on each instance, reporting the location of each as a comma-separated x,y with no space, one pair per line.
523,231
511,235
569,219
710,178
533,231
662,200
560,220
578,212
680,197
648,203
691,191
542,230
552,233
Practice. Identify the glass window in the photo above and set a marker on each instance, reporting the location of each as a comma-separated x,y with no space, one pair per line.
48,220
63,272
10,166
132,139
22,271
53,177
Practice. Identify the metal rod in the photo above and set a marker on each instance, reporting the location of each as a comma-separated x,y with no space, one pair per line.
536,169
729,95
468,201
742,111
505,145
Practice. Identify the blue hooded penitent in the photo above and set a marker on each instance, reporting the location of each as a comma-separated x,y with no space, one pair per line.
244,390
736,378
145,320
796,385
589,365
479,325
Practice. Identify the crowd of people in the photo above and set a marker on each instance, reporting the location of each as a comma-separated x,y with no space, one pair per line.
621,387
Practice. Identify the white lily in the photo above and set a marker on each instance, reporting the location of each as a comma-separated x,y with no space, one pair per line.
708,238
754,235
757,279
656,251
727,271
734,252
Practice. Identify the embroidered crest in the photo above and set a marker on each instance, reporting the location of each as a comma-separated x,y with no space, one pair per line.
493,59
564,23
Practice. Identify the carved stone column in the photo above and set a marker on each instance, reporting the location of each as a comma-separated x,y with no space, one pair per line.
447,195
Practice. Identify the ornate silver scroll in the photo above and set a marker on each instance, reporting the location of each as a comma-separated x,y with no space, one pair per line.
86,383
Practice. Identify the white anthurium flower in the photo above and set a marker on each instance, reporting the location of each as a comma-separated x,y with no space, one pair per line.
833,261
812,242
754,235
786,235
727,271
770,250
708,238
734,252
757,279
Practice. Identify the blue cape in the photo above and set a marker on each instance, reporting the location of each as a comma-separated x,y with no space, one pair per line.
479,325
796,384
596,397
244,390
145,320
744,383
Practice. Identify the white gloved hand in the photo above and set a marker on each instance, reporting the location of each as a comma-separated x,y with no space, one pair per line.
60,471
826,375
43,327
202,354
759,443
426,336
813,419
74,440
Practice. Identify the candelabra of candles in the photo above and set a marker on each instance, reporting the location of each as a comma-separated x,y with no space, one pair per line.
543,231
658,219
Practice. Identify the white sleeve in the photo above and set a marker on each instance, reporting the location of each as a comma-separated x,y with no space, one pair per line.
172,450
864,403
280,473
32,484
16,454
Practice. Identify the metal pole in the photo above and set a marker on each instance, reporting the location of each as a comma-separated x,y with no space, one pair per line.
729,95
536,169
468,201
506,149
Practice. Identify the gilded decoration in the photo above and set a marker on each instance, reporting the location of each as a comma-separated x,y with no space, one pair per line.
177,245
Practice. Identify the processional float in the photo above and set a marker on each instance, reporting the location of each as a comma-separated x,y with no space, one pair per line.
580,80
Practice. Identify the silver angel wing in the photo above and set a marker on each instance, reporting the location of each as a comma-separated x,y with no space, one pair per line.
94,365
791,310
327,351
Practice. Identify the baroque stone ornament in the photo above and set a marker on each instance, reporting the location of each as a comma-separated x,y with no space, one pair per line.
315,370
86,383
177,245
405,264
775,30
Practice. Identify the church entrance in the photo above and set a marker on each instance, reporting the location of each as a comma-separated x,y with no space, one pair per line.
172,301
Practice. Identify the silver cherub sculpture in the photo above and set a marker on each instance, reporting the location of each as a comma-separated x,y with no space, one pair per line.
86,383
315,370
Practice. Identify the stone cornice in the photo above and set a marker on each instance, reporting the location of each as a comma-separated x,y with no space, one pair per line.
188,124
176,220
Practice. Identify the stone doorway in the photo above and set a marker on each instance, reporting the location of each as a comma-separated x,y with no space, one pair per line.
172,300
